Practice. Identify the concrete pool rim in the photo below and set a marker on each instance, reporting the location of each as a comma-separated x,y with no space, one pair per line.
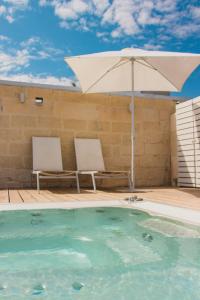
180,214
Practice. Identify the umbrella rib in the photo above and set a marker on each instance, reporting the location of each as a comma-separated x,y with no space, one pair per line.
148,66
161,73
115,66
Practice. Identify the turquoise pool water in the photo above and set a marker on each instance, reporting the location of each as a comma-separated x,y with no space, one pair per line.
97,253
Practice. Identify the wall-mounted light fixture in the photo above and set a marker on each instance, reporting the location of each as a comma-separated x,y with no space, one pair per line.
22,98
39,100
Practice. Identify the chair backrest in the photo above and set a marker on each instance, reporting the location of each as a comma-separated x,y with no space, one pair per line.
89,155
47,154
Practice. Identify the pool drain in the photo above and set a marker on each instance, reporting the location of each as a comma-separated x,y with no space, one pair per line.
2,288
147,237
36,221
77,286
38,289
115,219
36,214
100,210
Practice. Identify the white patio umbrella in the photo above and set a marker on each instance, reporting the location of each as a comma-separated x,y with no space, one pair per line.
133,70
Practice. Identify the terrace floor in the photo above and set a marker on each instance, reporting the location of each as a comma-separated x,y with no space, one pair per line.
180,197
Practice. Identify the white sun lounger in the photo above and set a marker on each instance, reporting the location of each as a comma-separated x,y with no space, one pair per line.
89,159
47,160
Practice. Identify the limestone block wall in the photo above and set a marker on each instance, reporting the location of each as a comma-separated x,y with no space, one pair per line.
71,114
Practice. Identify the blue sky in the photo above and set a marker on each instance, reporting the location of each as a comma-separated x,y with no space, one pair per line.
36,35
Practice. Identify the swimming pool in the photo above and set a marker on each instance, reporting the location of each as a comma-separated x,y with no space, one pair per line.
97,253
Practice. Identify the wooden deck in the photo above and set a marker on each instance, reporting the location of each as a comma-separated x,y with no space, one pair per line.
184,197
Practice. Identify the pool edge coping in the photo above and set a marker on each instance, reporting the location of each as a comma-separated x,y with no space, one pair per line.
180,214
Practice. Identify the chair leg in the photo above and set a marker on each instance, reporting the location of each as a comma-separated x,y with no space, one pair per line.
38,182
94,182
77,183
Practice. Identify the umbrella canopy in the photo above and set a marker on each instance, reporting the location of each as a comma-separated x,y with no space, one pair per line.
133,70
153,70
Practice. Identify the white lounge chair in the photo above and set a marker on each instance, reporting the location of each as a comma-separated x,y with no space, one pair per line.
47,161
89,159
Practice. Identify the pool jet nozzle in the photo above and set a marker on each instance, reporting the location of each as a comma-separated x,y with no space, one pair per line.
133,199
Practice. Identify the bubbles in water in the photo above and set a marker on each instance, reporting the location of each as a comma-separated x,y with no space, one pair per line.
38,289
147,237
77,286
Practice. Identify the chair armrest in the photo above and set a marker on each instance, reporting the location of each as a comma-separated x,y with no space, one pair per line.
115,172
36,172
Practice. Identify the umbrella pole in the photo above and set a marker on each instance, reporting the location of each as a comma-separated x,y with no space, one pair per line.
132,129
132,143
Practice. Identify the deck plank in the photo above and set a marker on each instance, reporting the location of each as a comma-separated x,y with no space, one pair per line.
189,198
181,197
26,196
39,197
4,198
61,195
31,196
15,196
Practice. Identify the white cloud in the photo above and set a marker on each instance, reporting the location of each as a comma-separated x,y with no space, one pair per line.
81,24
40,49
43,2
195,11
121,18
43,54
10,7
103,36
145,16
17,2
116,33
100,6
65,12
19,56
185,30
2,9
121,13
15,62
70,9
31,41
151,46
10,19
165,5
100,34
4,38
15,59
42,79
78,6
